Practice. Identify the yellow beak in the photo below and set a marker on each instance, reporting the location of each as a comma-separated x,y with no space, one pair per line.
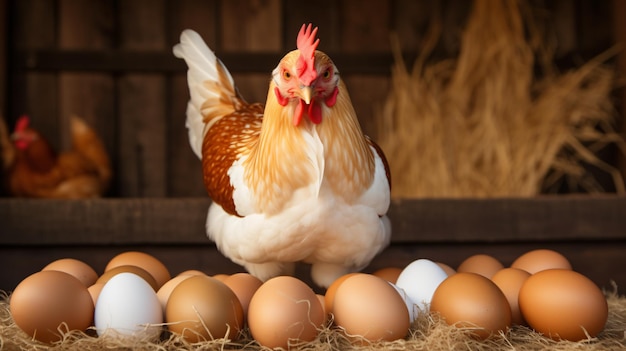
305,94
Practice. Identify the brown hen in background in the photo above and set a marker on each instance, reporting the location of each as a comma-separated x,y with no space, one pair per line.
33,168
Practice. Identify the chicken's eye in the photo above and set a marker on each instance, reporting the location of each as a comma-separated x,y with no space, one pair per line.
286,75
326,74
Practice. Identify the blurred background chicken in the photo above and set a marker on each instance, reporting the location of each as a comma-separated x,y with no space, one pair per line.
294,179
33,169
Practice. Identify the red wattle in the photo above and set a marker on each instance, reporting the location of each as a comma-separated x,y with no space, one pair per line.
315,113
283,101
332,99
297,116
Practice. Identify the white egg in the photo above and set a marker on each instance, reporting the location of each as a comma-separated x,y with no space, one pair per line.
129,306
410,305
419,280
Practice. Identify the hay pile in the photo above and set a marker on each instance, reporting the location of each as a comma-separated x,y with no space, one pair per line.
427,333
499,120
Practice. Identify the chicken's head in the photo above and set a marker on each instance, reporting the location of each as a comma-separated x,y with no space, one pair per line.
306,78
23,135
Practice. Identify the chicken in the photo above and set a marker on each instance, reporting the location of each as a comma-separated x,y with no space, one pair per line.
33,169
294,180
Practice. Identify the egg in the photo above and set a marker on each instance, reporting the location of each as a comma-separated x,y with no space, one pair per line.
128,306
419,280
368,307
510,281
95,291
322,300
166,290
192,272
563,304
484,265
329,297
149,263
79,269
538,260
104,278
470,300
410,305
221,277
390,274
203,308
284,310
244,285
446,268
44,300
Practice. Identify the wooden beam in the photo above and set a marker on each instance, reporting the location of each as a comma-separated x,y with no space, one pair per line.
165,221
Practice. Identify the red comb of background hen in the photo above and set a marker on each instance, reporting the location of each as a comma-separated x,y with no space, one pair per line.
22,123
307,44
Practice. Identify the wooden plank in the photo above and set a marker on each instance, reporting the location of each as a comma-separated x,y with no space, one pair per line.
142,104
35,93
90,95
322,13
112,221
619,35
184,168
432,221
365,25
199,15
368,94
3,57
250,25
412,20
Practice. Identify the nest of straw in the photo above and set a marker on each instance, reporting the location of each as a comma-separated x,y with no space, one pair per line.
428,332
486,124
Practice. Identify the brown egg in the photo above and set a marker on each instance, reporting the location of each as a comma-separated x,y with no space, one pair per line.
484,265
389,274
322,300
192,272
369,307
469,300
143,260
510,281
203,308
166,290
563,304
221,277
244,285
538,260
78,269
329,297
449,270
46,299
94,291
283,310
130,269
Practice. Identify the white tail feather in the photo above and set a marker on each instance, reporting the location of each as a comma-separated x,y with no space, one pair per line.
204,67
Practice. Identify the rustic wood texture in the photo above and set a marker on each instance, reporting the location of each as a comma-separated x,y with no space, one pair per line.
111,62
3,58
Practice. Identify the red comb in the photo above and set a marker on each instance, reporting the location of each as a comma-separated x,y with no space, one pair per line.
22,123
306,62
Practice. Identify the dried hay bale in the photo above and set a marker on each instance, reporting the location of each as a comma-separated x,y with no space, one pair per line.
485,124
428,332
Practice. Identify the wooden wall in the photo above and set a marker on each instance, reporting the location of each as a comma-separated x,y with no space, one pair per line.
110,61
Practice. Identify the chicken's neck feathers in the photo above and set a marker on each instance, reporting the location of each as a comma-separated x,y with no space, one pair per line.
287,157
